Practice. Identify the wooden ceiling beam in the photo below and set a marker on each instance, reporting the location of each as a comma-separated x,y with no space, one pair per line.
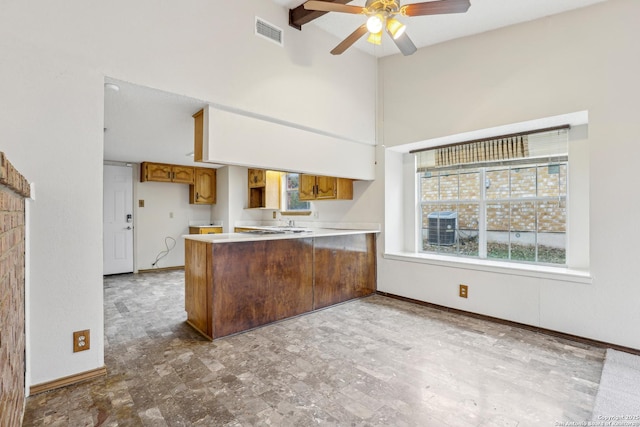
300,16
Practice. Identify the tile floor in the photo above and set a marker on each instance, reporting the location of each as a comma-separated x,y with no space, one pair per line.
370,362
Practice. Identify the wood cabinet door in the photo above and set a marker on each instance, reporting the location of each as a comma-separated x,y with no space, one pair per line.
344,189
257,178
211,230
306,187
182,174
198,133
205,230
326,187
203,192
156,172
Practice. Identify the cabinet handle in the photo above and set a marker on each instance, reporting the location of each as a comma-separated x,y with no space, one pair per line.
197,196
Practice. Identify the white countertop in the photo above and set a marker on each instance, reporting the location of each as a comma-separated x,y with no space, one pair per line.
249,237
205,223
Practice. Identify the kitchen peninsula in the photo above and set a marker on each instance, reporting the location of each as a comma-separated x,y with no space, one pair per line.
238,281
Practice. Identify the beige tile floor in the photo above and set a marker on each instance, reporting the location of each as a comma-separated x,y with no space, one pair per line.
370,362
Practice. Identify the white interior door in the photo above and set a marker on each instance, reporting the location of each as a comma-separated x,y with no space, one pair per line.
118,219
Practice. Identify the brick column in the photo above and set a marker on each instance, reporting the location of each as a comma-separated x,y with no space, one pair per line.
13,190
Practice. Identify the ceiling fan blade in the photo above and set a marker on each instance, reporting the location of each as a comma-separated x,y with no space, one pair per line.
351,39
325,6
405,44
435,7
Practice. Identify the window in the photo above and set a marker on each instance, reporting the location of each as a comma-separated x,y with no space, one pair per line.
509,206
291,194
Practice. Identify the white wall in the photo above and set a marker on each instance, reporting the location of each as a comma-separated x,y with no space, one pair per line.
220,211
166,214
54,57
238,139
580,60
233,200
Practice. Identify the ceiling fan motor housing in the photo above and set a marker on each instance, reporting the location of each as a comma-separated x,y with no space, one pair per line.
382,6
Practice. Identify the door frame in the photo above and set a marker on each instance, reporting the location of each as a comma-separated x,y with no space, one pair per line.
135,178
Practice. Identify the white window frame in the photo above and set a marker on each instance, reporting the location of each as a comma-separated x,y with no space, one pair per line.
284,208
401,207
482,203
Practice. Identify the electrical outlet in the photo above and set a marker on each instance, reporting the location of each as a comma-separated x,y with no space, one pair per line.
274,214
170,214
141,203
81,341
464,291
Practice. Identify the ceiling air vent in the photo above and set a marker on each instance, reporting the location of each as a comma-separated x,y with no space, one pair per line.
268,31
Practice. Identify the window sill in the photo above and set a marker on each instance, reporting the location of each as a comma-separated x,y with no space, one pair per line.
295,213
563,274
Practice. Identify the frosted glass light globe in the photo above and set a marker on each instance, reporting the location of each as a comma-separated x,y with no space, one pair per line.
374,24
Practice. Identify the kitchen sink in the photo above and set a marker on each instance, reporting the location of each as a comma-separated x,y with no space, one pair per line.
263,231
289,229
278,229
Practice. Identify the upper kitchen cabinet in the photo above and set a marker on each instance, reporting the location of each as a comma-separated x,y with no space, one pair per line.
264,189
203,191
198,120
257,178
202,181
161,172
314,187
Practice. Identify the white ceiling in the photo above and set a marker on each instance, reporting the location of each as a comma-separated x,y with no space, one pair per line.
484,15
144,124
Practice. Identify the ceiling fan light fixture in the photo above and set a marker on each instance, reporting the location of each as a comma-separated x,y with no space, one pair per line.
380,15
375,23
395,28
375,38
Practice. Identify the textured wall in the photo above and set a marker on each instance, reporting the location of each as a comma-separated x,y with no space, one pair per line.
13,189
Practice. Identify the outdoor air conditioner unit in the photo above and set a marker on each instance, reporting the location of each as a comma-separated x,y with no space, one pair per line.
441,228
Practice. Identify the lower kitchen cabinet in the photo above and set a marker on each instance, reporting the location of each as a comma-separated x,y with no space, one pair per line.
205,230
231,287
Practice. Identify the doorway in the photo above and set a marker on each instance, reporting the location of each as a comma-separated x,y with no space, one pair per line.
117,216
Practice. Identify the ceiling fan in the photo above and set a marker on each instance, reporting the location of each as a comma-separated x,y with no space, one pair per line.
381,16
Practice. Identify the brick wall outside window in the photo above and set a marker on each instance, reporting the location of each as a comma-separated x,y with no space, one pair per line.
548,216
13,190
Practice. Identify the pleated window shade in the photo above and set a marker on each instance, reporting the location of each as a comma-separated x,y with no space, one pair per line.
508,148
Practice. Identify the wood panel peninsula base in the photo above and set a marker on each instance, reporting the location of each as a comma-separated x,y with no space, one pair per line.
234,282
